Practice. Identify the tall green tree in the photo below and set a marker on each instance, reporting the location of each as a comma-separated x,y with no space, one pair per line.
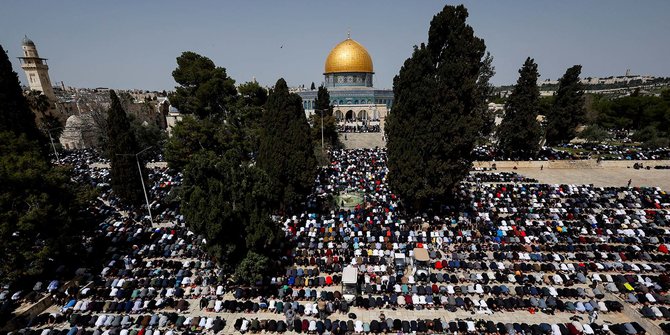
519,133
439,111
286,151
322,104
192,135
225,197
248,113
15,112
205,89
147,134
40,217
568,110
121,149
665,95
228,202
252,94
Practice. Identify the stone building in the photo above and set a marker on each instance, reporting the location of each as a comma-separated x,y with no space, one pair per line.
80,132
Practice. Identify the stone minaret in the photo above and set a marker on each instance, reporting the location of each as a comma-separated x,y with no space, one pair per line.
36,69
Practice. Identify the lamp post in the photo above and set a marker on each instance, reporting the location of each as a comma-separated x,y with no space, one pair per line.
52,140
144,188
321,110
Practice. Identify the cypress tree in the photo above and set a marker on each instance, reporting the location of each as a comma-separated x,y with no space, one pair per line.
519,133
322,103
439,111
568,110
121,149
15,113
286,151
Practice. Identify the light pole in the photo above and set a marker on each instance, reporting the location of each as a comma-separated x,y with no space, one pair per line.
321,110
144,188
52,140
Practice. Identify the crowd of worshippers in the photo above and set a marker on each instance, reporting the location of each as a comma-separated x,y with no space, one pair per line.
429,326
579,151
508,248
371,128
172,323
498,177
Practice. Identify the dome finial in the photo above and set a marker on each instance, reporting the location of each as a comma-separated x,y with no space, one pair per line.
349,33
27,41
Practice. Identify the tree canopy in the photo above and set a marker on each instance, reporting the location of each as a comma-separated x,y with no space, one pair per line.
286,151
322,104
648,117
39,217
568,110
40,210
205,89
45,117
439,111
121,149
15,112
252,94
228,202
225,196
519,133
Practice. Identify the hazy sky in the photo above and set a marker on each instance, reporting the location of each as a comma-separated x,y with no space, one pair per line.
133,44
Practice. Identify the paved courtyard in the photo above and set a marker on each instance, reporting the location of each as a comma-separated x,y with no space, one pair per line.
610,176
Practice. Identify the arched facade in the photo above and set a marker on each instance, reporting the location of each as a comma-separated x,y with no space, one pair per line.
361,118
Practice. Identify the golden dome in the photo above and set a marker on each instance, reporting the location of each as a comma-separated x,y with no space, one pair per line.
348,56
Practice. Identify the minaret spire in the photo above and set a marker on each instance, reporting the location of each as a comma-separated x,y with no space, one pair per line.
36,69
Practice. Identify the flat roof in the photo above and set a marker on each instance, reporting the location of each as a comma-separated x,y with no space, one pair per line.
350,275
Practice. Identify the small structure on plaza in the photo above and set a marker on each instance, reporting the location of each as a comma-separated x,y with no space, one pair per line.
421,262
349,200
349,283
399,261
80,132
348,76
